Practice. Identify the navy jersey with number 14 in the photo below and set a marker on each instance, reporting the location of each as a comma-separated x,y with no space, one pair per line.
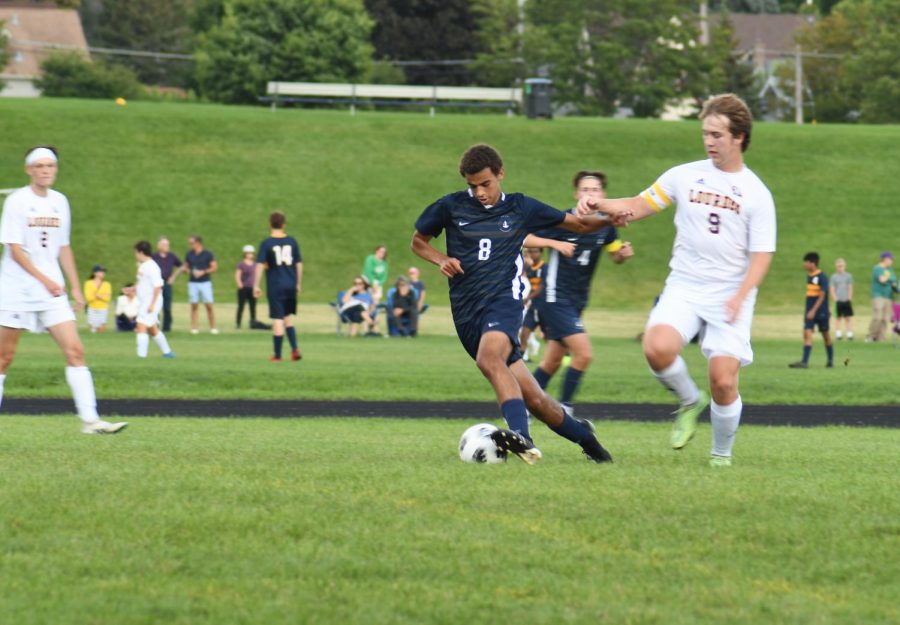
280,255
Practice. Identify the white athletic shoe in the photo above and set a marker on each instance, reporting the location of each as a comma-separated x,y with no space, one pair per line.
103,427
195,331
214,331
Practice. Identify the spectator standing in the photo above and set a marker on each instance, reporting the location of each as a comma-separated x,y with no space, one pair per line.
375,271
127,307
149,296
883,285
842,294
170,266
202,264
817,312
98,295
244,276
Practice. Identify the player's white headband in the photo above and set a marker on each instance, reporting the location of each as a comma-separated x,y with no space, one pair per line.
38,153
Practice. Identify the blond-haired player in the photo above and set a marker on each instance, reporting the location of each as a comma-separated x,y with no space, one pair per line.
725,238
35,229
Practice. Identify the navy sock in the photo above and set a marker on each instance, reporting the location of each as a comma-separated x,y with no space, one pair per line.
277,341
806,351
572,429
292,336
570,384
542,377
516,416
829,349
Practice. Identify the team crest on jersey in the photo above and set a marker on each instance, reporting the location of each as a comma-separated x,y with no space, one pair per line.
700,181
505,224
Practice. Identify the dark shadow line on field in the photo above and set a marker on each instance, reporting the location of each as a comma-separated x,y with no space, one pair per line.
794,415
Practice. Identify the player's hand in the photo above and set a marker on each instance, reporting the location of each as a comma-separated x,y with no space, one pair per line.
733,308
77,295
626,251
55,289
565,248
587,206
299,288
257,292
809,315
149,309
451,267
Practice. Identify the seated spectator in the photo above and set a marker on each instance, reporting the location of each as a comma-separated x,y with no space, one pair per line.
355,305
419,286
127,308
405,308
97,295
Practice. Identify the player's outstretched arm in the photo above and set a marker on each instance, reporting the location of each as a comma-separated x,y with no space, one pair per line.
563,247
421,245
620,210
585,224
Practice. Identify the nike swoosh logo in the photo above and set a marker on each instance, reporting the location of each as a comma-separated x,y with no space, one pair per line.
463,223
571,240
493,323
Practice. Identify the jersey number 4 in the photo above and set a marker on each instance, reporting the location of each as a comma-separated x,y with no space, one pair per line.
284,254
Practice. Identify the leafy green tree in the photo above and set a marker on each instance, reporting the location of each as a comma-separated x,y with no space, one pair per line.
727,73
875,71
301,40
146,25
71,75
603,54
500,62
426,30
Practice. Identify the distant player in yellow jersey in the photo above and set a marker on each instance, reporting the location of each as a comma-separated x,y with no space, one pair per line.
724,242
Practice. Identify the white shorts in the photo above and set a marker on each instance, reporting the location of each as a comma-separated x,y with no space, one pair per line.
148,319
200,292
97,317
37,320
690,311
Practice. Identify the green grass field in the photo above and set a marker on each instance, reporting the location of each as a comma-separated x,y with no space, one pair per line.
433,367
187,521
350,183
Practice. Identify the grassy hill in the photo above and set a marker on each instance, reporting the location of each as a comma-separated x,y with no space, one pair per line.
351,183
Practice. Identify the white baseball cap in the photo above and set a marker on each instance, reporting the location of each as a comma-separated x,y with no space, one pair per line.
249,248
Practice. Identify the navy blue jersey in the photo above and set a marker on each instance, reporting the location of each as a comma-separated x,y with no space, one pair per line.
817,284
487,242
568,278
280,255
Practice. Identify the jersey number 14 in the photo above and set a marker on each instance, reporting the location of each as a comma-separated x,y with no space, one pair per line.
284,254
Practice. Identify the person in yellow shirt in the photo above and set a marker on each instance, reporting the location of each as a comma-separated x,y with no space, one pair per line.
98,294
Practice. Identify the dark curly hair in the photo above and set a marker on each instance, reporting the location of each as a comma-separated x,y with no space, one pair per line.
479,157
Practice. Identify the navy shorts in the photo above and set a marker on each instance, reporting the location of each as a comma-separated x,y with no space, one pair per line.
819,320
559,320
531,317
281,307
843,309
500,315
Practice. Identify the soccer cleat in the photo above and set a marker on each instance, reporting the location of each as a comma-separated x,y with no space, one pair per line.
591,447
685,425
719,461
102,427
800,364
195,331
829,365
169,355
274,359
296,355
214,331
511,442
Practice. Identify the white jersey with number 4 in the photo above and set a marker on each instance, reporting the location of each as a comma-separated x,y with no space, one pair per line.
720,219
149,277
41,226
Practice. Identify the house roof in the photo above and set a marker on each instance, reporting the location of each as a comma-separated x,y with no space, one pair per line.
767,31
34,31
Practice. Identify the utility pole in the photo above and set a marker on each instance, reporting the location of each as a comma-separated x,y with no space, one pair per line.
704,22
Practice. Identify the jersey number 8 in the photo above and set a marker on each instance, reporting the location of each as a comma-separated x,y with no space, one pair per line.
484,249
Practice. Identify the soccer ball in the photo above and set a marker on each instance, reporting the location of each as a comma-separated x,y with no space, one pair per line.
476,445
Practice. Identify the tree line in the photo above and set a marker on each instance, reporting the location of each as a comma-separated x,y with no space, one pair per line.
603,55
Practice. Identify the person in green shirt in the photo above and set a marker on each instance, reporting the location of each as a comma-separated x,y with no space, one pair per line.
884,281
375,270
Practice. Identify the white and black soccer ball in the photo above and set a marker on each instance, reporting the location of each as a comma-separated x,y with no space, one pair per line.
476,445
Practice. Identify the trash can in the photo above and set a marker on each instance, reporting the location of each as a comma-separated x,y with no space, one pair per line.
538,95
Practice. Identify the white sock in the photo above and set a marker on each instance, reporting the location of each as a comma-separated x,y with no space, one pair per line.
676,378
160,340
82,385
143,342
725,420
849,334
837,334
2,380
